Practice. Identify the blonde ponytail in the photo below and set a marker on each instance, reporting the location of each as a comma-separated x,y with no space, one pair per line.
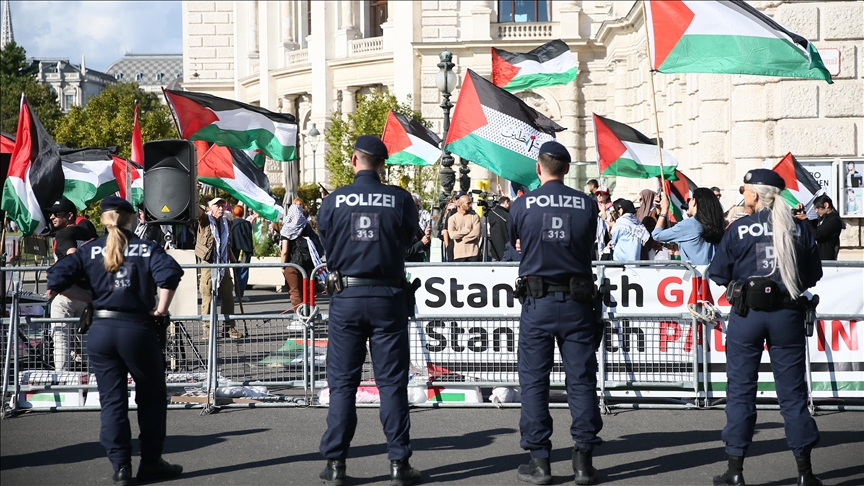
115,246
783,226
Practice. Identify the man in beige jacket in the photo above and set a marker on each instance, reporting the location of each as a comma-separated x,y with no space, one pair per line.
464,229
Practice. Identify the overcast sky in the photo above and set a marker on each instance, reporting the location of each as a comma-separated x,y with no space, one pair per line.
101,31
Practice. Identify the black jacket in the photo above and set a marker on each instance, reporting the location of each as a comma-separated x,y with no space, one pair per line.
826,231
498,235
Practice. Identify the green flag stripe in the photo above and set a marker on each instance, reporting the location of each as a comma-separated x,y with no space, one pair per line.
530,81
624,167
260,139
269,212
503,162
406,158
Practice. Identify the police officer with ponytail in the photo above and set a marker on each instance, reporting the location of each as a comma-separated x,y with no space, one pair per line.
125,272
554,227
767,260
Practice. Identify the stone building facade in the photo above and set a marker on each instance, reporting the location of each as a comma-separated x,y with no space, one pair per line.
74,84
313,58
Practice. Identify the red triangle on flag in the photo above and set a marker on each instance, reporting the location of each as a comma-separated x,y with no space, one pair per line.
502,71
214,162
786,169
118,167
191,116
468,115
394,136
669,19
609,146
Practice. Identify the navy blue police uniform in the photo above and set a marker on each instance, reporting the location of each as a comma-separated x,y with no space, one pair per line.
747,251
556,226
128,342
365,228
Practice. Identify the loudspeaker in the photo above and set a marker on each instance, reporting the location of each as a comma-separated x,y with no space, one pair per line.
170,181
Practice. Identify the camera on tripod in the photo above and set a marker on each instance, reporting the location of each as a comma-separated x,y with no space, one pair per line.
486,200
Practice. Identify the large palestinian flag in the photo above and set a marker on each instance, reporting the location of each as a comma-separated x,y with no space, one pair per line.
729,37
551,64
234,172
498,131
680,191
88,175
801,186
409,142
35,178
230,123
623,151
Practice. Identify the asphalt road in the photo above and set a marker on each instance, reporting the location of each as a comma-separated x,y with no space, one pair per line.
452,446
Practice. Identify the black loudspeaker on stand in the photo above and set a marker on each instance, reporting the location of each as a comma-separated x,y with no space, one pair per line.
170,182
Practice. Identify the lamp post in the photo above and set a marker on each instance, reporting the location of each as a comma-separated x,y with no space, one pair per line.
445,81
313,135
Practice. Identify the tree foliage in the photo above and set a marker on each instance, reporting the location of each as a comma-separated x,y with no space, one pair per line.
369,119
16,77
108,118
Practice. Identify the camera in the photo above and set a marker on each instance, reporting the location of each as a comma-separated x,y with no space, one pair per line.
486,200
797,211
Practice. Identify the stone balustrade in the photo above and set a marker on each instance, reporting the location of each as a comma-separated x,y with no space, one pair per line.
523,30
300,56
365,46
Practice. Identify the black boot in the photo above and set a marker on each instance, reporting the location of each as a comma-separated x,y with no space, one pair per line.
334,473
805,472
734,475
158,470
583,466
402,474
537,471
123,476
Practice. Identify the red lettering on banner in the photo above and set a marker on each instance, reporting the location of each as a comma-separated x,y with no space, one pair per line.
722,301
838,331
820,335
718,338
688,338
677,295
666,337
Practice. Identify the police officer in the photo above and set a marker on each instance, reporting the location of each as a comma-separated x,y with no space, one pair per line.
555,226
767,260
124,272
365,228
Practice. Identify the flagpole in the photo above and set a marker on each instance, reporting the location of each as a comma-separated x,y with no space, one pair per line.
662,176
128,180
173,115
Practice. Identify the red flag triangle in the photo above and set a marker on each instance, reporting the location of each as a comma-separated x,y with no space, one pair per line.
670,20
786,169
468,115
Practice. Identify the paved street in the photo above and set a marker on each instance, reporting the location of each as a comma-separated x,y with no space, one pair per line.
453,446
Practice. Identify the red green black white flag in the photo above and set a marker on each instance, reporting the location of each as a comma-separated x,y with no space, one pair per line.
230,123
551,64
680,191
801,186
409,142
498,131
623,151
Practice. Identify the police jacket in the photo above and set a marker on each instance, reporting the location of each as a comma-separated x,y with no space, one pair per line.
556,226
747,250
366,228
132,288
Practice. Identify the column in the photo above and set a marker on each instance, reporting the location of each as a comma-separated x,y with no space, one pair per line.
481,17
287,26
253,28
347,29
267,99
349,99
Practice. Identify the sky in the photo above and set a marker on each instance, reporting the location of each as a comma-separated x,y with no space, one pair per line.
101,31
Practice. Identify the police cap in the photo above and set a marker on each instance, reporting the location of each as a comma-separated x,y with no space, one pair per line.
555,150
63,206
371,145
114,203
765,177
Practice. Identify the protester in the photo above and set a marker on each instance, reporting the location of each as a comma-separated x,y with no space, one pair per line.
212,246
591,186
628,233
716,191
826,230
449,211
464,229
646,214
296,248
425,224
242,247
604,202
146,231
498,236
696,235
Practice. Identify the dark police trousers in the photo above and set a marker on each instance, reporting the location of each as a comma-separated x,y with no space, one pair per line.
383,321
545,321
783,330
117,347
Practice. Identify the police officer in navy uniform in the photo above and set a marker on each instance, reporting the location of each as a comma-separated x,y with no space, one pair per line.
365,228
124,272
555,226
767,260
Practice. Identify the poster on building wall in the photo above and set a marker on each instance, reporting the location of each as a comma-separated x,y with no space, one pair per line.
852,193
826,175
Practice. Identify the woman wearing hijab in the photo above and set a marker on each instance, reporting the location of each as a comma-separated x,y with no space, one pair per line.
646,213
295,249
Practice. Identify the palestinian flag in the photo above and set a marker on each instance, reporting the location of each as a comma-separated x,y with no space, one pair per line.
409,142
680,191
801,186
7,143
234,172
726,37
257,157
623,151
119,169
88,174
35,178
230,123
137,143
551,64
498,131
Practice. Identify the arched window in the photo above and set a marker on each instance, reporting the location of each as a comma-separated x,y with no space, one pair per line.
178,75
118,76
139,77
159,77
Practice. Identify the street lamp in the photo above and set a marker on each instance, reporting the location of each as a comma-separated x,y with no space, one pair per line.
314,136
445,81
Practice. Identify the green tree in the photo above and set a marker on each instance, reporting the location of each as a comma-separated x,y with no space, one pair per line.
369,119
16,77
108,118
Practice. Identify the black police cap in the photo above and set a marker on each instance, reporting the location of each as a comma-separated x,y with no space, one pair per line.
63,206
765,177
114,203
556,150
371,145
